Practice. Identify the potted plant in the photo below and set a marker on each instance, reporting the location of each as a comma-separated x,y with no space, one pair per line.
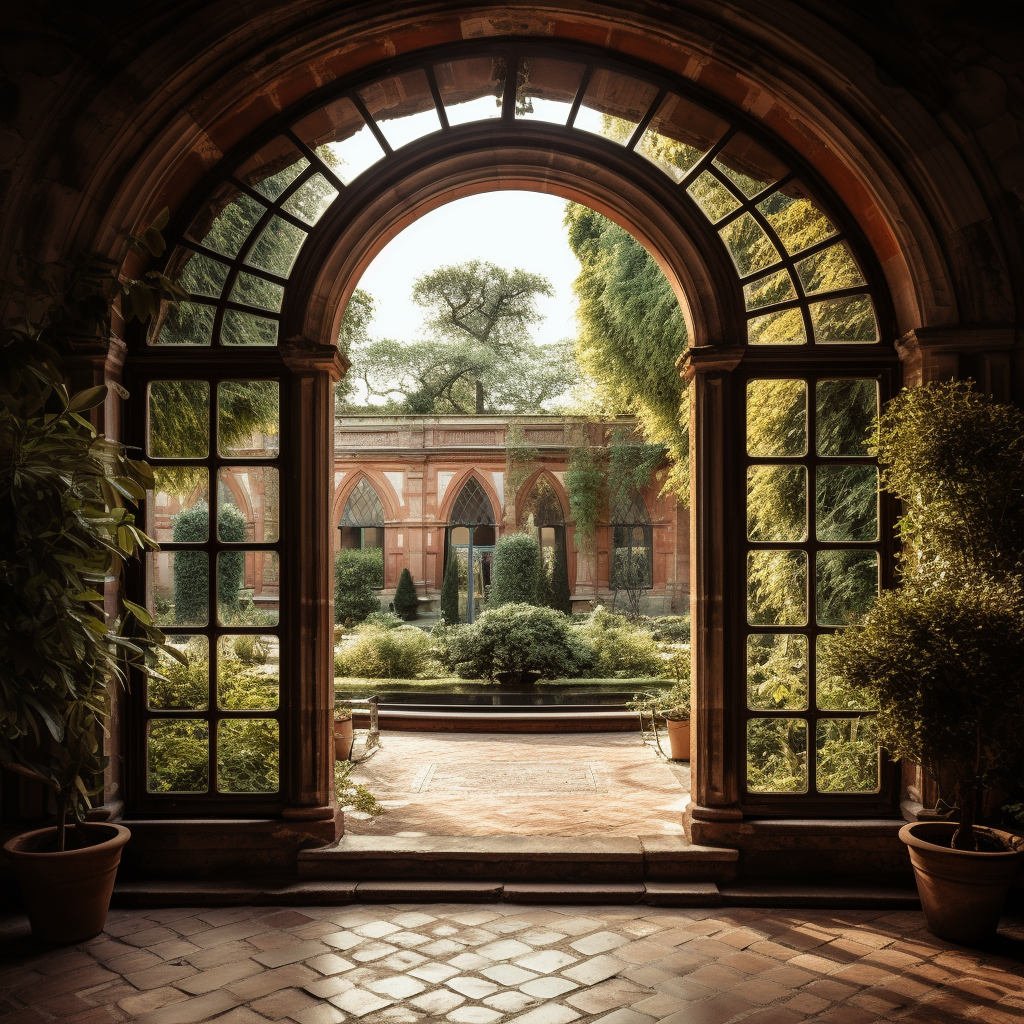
944,653
342,733
67,495
674,707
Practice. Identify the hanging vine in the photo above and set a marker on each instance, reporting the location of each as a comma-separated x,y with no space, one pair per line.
521,459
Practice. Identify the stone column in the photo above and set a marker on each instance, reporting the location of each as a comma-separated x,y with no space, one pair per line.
715,783
307,620
951,353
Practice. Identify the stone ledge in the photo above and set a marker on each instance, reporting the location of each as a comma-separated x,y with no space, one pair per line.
846,896
560,892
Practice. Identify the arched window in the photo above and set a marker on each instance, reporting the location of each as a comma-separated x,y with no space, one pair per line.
362,522
471,540
632,566
542,512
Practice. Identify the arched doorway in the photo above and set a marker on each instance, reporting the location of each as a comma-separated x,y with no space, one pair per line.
470,538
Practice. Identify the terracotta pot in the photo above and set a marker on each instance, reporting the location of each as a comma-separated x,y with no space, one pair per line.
679,738
67,894
342,740
962,891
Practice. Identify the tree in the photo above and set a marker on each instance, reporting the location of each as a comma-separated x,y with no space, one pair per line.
406,600
354,333
478,320
631,334
450,591
515,571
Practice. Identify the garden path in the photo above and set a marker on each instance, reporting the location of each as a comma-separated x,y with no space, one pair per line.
551,784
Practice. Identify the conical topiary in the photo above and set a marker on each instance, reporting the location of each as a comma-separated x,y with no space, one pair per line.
561,595
406,600
450,591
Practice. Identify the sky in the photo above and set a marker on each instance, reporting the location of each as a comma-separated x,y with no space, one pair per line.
509,229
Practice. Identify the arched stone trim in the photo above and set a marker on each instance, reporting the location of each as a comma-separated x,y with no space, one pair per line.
380,484
454,489
526,489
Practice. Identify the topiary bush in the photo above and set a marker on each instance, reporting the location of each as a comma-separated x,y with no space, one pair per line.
520,638
561,595
406,601
191,568
515,571
357,575
450,590
379,652
621,649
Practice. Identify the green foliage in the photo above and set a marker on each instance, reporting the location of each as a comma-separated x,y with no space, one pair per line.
631,466
515,571
406,601
353,333
519,638
191,568
66,500
352,795
478,320
357,574
450,590
585,483
621,648
379,652
632,332
559,594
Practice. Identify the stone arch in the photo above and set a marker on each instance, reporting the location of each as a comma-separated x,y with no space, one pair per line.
454,489
526,491
381,485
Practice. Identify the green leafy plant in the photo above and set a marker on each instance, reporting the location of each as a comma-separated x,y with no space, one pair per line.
67,495
357,575
379,652
191,568
515,571
406,601
519,638
621,648
353,794
450,590
585,484
559,594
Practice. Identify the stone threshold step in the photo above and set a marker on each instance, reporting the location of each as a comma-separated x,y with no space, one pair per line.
505,721
275,893
559,859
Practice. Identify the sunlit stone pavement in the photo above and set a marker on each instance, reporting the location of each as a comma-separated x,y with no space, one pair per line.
483,964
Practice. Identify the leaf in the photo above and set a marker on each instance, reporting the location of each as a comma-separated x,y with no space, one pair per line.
138,611
88,399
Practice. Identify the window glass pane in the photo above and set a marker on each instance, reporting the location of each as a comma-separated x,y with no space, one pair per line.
185,687
545,89
748,245
311,199
255,291
766,291
248,504
776,418
777,588
776,503
846,415
460,535
796,219
847,503
177,492
276,248
777,755
777,671
188,323
832,691
226,221
829,270
273,168
846,582
847,756
341,138
614,104
248,418
178,756
197,274
248,755
402,106
179,419
247,672
848,321
240,328
471,90
748,166
712,197
248,586
785,327
679,134
180,580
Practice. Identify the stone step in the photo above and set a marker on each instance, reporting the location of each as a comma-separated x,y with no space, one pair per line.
504,721
558,859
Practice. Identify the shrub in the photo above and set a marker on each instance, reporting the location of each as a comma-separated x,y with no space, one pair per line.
406,600
561,596
515,571
519,638
621,649
357,574
450,590
191,568
381,653
673,629
386,620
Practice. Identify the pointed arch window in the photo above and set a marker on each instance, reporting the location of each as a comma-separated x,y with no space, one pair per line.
470,543
362,521
542,512
632,567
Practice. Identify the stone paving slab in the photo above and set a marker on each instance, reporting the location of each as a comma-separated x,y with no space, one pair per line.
505,963
498,784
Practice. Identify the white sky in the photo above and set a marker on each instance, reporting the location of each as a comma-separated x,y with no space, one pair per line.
509,229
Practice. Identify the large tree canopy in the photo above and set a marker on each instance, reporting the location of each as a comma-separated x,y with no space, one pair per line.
631,333
478,354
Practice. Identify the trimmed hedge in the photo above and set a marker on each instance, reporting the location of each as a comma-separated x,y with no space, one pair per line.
450,591
515,571
191,568
357,574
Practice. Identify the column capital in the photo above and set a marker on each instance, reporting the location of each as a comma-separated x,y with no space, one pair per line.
305,356
709,358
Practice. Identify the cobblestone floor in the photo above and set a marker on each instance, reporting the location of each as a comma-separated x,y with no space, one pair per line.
484,964
560,784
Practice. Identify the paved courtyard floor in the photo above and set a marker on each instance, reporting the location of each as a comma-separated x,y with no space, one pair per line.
554,784
485,964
